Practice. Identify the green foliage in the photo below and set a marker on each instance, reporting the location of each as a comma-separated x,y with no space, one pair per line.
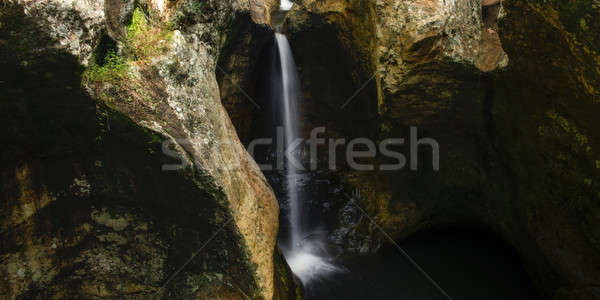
114,69
139,24
145,40
106,45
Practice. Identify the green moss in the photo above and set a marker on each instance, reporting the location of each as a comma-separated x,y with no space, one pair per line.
139,24
580,17
580,139
106,44
145,40
122,162
114,69
156,139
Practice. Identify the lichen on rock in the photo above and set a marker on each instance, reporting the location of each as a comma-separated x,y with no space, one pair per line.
88,210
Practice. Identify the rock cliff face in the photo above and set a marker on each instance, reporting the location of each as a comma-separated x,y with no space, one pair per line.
542,116
516,129
123,175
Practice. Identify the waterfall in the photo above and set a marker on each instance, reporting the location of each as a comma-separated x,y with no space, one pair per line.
306,256
290,94
286,5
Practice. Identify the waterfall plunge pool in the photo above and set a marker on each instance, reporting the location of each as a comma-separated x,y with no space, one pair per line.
467,264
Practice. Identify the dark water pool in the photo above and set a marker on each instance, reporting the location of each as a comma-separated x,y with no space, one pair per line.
467,265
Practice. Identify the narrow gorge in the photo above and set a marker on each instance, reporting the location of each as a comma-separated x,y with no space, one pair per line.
307,149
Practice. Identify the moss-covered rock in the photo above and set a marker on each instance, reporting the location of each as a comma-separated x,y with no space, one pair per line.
93,98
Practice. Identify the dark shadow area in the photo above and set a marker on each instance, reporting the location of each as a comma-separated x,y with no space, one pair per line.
490,15
338,94
241,69
467,262
66,155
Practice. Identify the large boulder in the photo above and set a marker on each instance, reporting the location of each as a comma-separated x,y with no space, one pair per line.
123,175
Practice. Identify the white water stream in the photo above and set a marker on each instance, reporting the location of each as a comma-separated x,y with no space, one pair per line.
304,255
285,5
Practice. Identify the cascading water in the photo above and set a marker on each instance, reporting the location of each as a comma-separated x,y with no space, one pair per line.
308,227
290,92
285,5
307,235
303,251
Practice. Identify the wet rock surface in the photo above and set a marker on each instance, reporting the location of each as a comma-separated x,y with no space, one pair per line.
517,154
